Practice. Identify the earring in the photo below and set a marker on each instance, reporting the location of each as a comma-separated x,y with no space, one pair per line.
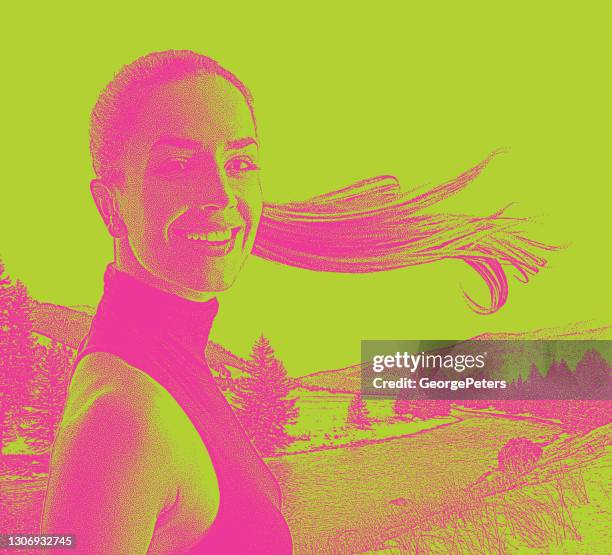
116,227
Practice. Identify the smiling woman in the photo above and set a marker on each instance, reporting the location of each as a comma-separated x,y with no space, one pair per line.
150,457
187,167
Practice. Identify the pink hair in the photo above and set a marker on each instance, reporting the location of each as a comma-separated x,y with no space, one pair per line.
370,226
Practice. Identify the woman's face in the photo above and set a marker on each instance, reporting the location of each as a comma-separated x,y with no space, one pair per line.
191,200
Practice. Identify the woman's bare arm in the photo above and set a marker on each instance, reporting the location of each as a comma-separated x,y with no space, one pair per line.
109,476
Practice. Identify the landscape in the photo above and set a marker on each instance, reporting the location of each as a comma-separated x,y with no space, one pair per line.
359,475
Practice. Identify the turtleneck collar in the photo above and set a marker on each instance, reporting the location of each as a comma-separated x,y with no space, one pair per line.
155,315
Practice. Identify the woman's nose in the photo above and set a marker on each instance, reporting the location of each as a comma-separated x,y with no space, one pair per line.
214,189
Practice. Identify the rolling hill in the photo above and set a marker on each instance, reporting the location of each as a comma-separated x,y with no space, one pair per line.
69,325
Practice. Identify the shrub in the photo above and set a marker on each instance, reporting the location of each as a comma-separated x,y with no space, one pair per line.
430,408
518,456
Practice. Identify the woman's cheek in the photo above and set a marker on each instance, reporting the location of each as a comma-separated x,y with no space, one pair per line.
158,208
254,200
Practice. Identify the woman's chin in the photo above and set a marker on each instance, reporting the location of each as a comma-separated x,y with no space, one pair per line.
195,285
211,284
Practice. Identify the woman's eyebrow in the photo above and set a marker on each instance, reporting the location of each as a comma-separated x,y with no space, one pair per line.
191,144
178,142
240,143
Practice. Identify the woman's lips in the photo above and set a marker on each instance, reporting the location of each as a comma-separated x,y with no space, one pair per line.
214,243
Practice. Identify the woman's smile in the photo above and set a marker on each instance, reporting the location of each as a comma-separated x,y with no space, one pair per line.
213,243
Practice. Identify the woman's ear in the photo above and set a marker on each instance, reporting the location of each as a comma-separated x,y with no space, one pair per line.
107,207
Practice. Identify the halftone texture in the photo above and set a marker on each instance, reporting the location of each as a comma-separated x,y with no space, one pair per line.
164,336
373,226
369,226
113,116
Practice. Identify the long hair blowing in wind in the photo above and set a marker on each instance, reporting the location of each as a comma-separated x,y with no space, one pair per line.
373,226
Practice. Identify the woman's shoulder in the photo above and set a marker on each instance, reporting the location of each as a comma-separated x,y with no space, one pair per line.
104,370
113,403
105,380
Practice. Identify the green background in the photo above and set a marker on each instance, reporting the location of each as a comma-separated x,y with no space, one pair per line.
342,93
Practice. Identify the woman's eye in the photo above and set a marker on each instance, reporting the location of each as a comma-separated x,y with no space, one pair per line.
241,164
171,167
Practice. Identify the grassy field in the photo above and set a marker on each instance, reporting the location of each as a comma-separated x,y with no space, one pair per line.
350,499
435,491
322,422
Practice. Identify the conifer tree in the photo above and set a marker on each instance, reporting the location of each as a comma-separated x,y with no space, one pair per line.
534,384
48,392
261,400
358,415
4,282
593,375
17,357
560,381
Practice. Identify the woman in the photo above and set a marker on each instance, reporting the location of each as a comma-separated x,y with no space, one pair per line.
150,457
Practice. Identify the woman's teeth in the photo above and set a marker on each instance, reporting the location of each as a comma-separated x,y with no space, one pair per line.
212,237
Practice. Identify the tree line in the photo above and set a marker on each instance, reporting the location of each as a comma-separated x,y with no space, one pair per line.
578,399
35,373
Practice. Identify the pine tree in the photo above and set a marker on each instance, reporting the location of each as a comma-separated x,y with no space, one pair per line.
261,400
560,381
48,389
358,416
534,384
516,389
593,375
17,358
4,279
4,282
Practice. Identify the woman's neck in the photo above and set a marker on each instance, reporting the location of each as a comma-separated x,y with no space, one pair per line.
126,262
